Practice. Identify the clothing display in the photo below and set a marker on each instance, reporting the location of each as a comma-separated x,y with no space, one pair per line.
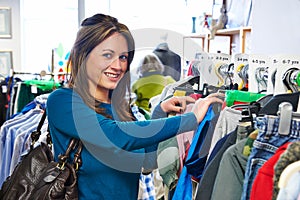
231,173
289,156
207,181
238,151
148,86
170,59
196,164
245,148
192,164
264,147
15,140
263,183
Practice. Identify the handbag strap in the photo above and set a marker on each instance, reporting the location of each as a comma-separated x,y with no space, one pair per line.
63,158
35,135
77,161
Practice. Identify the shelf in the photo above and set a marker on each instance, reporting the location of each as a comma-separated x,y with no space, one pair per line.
233,31
230,31
241,32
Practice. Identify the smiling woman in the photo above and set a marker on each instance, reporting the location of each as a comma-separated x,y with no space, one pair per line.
93,108
106,65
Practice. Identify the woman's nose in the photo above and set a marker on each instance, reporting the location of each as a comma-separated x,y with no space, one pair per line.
116,64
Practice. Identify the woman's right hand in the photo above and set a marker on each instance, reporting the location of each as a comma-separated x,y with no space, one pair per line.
201,105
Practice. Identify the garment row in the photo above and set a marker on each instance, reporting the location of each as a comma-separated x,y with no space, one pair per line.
229,146
232,147
16,93
247,157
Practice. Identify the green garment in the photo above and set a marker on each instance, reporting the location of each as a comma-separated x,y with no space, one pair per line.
149,86
43,84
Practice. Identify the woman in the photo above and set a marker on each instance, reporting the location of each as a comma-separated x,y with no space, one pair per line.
95,109
151,81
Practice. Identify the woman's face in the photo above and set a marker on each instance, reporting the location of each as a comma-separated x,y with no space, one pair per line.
107,64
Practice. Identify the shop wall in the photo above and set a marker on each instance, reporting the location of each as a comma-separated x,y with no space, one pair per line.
275,27
13,44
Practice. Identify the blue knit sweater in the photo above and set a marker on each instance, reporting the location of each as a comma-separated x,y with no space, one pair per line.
113,151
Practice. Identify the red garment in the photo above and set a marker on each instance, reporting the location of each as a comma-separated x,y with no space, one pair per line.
190,71
184,141
262,187
234,103
196,96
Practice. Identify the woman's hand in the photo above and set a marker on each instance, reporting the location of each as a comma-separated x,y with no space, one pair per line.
176,104
201,105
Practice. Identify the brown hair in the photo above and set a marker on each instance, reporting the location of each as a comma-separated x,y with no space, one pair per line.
92,32
150,63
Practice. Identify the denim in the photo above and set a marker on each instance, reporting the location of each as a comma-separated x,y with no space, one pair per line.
267,142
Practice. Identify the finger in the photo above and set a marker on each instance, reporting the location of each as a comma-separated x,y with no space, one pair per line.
218,95
183,104
176,109
216,100
190,99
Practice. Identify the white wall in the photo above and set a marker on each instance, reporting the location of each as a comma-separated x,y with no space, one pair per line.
275,27
13,44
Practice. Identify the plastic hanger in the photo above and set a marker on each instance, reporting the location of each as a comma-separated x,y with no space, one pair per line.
271,107
248,111
285,117
288,81
242,71
286,114
261,76
287,173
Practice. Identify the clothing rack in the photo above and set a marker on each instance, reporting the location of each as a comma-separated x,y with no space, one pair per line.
42,73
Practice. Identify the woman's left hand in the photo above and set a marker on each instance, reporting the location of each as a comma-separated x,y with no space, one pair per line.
176,104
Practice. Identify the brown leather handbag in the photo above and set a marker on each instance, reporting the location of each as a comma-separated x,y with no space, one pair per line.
39,177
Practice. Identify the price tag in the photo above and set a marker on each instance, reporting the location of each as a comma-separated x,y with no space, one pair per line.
4,88
34,89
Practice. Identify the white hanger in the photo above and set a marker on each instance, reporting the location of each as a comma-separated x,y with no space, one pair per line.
287,173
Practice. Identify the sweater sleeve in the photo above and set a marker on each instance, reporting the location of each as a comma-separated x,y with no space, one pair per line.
69,115
158,113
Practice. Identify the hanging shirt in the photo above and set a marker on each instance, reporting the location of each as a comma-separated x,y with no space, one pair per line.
184,186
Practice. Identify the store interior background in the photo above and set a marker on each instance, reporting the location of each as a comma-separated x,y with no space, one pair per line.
38,26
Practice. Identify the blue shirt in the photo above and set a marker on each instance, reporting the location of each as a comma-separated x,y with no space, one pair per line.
113,151
9,131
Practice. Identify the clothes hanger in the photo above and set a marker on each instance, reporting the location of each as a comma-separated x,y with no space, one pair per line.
225,75
191,82
289,79
287,173
242,71
263,100
286,114
261,76
219,72
285,111
248,111
271,107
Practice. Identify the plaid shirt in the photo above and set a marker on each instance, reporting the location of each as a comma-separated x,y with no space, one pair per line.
147,189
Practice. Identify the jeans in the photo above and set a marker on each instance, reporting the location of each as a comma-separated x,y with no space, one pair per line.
267,142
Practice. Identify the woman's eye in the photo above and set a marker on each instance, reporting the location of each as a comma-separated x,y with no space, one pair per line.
107,55
123,58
